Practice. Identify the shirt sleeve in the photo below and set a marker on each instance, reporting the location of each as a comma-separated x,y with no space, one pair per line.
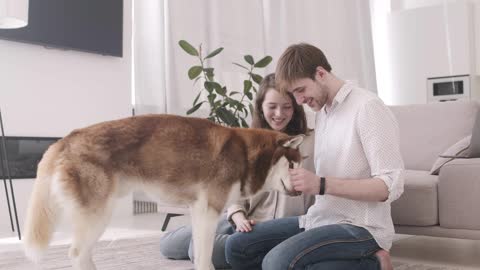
380,136
239,206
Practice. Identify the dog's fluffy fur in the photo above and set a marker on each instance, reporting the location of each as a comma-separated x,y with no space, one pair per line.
183,160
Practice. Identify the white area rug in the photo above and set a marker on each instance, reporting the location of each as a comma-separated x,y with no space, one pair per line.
130,254
418,266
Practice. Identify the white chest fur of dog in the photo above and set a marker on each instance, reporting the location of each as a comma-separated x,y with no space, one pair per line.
178,159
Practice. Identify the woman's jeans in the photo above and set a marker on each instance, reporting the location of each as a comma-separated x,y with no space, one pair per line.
281,244
178,244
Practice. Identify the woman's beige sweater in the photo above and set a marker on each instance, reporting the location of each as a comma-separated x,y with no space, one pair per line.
271,205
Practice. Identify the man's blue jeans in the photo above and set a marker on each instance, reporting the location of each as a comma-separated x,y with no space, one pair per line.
280,245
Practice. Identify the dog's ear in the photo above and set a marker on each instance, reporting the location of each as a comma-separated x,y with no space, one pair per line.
293,142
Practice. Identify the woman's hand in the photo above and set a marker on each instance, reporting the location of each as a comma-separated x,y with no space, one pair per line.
243,224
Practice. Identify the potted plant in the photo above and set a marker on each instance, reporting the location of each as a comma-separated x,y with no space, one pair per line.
230,108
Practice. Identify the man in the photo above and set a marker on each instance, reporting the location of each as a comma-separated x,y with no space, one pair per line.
359,172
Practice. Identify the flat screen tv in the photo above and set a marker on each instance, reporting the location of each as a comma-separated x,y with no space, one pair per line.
85,25
23,154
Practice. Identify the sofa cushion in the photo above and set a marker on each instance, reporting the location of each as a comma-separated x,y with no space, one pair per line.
458,191
455,150
418,206
427,130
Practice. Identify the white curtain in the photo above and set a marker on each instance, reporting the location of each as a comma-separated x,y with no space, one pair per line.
149,61
341,28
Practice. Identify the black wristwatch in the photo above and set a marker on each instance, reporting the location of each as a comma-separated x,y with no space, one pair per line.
322,186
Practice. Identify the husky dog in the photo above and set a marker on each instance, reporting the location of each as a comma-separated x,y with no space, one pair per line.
182,160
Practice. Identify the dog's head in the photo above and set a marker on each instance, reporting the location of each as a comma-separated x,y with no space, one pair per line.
287,155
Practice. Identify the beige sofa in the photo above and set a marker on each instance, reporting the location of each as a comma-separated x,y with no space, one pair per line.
446,205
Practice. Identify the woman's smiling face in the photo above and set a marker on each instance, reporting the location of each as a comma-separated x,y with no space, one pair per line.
277,109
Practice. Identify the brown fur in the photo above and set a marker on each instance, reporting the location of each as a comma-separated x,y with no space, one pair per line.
176,154
150,147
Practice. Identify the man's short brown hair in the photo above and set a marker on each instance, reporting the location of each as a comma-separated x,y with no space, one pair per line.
297,62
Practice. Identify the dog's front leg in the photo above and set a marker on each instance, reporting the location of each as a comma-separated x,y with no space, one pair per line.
204,224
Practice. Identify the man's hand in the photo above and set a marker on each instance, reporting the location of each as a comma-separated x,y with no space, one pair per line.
305,181
243,224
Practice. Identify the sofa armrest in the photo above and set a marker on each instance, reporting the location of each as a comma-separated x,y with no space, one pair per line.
459,194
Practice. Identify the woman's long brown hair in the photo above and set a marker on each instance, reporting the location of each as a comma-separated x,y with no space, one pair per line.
298,123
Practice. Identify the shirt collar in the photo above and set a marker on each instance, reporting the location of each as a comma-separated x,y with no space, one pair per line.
341,95
343,92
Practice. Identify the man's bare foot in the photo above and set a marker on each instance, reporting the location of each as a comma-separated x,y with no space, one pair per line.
383,257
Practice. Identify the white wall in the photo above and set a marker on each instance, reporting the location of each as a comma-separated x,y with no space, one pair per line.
398,5
430,41
409,4
49,92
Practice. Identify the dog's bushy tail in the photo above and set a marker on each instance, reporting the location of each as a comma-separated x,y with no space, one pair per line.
42,213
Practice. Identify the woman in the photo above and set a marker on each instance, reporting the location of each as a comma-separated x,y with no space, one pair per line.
275,111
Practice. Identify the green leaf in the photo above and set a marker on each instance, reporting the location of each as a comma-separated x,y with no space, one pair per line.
249,59
234,93
188,48
242,66
194,108
227,117
245,111
211,98
194,71
221,90
251,108
210,86
234,103
215,52
196,99
249,95
209,72
247,85
244,123
229,101
239,105
254,89
256,78
264,62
